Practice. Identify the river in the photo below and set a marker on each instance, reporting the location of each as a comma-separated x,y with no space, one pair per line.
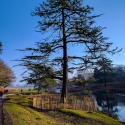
111,104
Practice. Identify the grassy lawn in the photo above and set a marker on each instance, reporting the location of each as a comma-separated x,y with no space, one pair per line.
16,108
17,111
26,116
93,118
24,90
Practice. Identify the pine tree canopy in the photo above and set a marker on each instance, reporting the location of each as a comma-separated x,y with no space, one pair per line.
66,24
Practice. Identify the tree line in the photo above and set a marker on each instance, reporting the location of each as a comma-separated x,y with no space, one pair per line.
103,73
116,73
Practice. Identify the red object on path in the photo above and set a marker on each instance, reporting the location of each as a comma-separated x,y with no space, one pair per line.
1,94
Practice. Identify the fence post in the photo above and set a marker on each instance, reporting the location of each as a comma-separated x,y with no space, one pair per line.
48,104
34,102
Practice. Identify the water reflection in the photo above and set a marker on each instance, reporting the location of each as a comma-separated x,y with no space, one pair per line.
111,104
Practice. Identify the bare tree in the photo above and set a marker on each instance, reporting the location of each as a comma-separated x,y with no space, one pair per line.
7,76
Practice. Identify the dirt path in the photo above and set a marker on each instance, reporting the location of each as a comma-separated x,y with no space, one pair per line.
1,111
1,108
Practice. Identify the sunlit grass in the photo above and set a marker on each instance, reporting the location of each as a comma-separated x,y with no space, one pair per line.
26,116
20,114
24,90
17,106
19,99
95,117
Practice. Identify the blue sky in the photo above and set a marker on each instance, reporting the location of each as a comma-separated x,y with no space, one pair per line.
17,27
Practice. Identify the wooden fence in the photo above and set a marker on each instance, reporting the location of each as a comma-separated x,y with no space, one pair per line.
53,102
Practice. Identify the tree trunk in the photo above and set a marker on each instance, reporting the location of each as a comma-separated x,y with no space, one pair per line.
65,61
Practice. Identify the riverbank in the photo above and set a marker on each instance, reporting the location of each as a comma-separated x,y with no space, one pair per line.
114,87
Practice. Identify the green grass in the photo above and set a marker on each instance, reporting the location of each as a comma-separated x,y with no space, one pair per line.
24,90
17,108
26,116
96,118
19,99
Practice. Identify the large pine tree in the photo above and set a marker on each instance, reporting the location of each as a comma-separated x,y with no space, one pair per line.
67,23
